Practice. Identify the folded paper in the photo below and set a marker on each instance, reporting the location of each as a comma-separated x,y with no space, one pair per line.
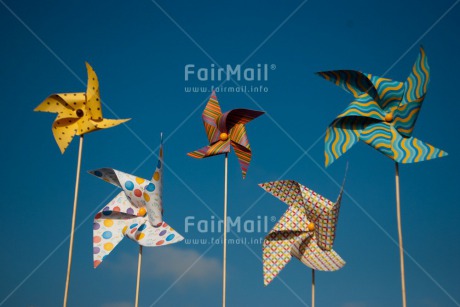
383,114
78,113
306,230
136,213
225,129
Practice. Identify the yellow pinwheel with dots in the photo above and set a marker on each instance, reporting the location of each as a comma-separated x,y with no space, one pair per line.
78,113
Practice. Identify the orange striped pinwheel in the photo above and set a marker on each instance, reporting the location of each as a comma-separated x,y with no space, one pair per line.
225,129
78,113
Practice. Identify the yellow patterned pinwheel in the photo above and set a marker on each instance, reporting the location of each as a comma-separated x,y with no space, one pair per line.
78,113
306,230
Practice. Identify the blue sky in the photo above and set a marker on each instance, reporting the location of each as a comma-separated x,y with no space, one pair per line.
139,51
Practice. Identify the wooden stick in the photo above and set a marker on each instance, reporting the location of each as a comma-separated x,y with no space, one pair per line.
139,263
401,249
224,273
74,216
312,288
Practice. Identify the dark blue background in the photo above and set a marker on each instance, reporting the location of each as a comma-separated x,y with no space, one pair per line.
139,50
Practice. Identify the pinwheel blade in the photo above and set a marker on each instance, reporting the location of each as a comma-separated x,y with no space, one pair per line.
278,243
352,81
210,116
244,157
315,204
122,204
208,151
416,84
109,175
412,150
326,225
64,131
86,125
307,250
277,253
341,135
93,98
390,92
93,120
235,117
406,115
294,219
365,107
143,233
66,103
136,188
158,174
109,123
107,233
153,193
240,143
324,214
378,135
288,191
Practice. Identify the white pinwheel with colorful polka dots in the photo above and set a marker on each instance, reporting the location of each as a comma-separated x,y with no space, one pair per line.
136,213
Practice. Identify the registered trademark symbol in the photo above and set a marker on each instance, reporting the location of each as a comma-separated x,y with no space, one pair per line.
273,218
272,66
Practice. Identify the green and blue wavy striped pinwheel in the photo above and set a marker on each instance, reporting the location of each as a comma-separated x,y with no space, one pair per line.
383,114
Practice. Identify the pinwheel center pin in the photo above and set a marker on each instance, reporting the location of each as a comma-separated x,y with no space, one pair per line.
223,136
80,113
142,212
311,226
389,117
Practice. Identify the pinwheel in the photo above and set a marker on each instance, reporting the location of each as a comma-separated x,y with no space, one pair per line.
383,115
223,130
306,231
78,114
136,213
